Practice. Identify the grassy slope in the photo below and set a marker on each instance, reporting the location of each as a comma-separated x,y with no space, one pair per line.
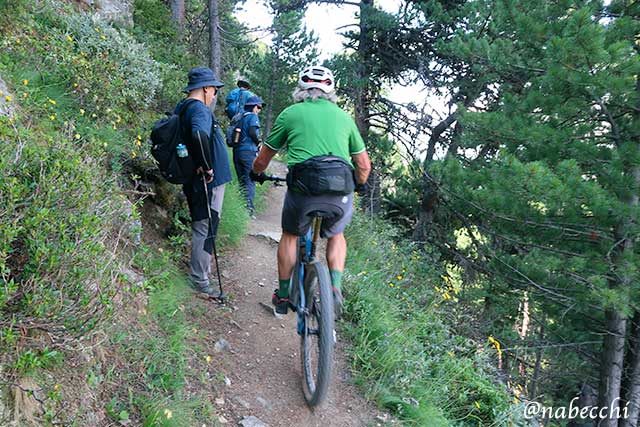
80,89
403,352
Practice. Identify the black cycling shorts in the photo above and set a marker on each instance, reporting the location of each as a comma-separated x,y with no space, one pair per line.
298,211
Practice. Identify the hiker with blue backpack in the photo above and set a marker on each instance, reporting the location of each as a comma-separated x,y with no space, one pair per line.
236,99
246,143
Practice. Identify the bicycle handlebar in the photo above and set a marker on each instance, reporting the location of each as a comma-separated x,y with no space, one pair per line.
274,178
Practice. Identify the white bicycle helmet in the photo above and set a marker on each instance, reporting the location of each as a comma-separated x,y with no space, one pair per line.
317,76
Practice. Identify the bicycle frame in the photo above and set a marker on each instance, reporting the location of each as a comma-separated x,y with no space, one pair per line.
309,242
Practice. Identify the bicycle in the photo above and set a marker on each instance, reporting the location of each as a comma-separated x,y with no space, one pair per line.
311,297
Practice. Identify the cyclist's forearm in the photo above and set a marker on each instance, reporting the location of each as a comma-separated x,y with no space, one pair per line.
264,157
363,166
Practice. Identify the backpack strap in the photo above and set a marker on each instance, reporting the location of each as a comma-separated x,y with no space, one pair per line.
184,106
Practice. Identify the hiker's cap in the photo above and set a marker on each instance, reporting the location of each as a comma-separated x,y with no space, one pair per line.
202,77
244,84
254,100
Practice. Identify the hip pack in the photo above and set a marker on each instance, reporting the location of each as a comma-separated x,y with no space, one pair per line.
322,175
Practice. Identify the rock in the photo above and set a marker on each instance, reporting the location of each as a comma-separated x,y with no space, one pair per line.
222,345
5,413
227,381
270,236
219,401
252,422
236,324
263,402
222,420
243,403
7,100
113,10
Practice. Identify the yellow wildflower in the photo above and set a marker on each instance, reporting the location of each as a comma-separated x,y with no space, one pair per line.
82,112
8,98
25,82
399,277
75,84
477,404
24,94
208,359
139,143
168,414
134,154
52,101
103,37
391,284
94,115
1,93
69,38
496,344
77,136
139,137
52,117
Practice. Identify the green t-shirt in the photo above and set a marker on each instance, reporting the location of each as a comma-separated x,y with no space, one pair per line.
315,128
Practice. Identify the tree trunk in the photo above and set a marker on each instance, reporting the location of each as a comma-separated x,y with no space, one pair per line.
372,203
214,38
429,194
268,121
177,13
588,398
533,385
633,379
612,366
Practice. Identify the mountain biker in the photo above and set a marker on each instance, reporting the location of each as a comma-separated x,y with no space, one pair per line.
312,127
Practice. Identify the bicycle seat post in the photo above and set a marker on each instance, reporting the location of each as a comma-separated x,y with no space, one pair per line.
317,221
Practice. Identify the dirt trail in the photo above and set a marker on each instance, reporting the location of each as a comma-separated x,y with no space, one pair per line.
263,360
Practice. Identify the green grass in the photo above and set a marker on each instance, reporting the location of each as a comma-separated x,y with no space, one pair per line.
403,352
158,348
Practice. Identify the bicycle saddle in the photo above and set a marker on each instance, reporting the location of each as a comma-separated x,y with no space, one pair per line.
320,214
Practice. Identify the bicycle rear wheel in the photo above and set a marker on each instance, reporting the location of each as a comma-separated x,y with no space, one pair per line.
317,341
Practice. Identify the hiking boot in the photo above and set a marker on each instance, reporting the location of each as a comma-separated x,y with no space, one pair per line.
207,289
281,304
337,302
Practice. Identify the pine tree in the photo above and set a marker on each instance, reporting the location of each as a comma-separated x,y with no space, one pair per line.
549,176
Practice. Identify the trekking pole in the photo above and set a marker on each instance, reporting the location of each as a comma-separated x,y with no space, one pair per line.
222,296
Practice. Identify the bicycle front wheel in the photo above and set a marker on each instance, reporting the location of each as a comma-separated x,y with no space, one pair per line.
317,339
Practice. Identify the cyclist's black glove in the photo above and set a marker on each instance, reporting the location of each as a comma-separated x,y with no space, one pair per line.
362,189
258,177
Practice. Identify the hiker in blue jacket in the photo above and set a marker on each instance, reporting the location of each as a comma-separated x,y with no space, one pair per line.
207,146
237,98
246,150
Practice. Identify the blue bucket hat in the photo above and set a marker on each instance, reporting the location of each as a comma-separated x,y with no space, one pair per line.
254,100
202,77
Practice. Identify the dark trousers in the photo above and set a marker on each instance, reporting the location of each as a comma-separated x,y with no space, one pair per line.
243,161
